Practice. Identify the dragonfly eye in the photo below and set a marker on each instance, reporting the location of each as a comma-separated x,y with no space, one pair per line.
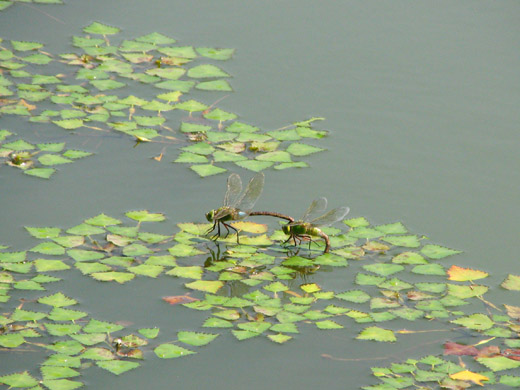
210,215
286,229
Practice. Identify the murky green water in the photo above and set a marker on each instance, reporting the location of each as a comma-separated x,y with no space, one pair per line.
421,101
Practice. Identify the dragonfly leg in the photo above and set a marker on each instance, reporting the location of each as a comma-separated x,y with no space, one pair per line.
217,234
230,227
212,228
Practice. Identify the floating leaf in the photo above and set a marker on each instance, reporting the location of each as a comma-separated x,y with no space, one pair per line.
206,71
119,277
12,340
102,29
216,85
437,251
52,373
383,269
356,296
475,321
220,115
57,300
254,165
409,258
215,54
196,339
169,351
328,324
377,334
512,282
191,106
95,326
145,216
299,149
150,333
211,286
205,170
117,367
22,379
26,46
460,274
69,124
429,269
497,363
43,232
408,241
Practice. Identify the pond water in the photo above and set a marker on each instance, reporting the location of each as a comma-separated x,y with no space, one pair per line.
421,102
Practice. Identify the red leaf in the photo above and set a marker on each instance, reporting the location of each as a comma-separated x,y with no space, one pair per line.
178,299
451,348
490,351
513,354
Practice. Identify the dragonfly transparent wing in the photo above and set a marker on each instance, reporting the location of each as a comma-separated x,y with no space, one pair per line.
331,217
252,193
317,207
234,187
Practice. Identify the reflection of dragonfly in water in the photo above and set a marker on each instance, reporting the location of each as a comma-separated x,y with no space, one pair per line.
237,205
307,226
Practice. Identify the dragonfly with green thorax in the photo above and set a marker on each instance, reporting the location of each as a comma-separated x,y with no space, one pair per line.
238,205
308,226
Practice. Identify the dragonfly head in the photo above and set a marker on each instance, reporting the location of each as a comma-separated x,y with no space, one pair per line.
210,215
286,229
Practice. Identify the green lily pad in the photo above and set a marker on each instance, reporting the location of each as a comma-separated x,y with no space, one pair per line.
205,170
299,149
192,158
206,71
220,115
429,269
102,29
169,351
512,282
437,251
57,300
195,338
215,54
408,241
191,106
26,46
22,379
254,165
211,286
328,324
475,321
215,85
377,334
497,363
69,124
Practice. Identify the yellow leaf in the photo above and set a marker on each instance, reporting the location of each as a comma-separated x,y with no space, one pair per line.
460,274
513,311
469,376
250,227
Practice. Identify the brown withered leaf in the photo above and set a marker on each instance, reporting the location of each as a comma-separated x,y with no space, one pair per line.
489,351
513,311
178,299
451,348
513,354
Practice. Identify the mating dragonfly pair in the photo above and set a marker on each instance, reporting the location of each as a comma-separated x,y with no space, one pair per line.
239,205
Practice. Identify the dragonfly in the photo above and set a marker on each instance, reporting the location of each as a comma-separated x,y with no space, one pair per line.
308,226
237,204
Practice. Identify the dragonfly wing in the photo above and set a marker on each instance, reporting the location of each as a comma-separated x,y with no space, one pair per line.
252,193
221,213
331,217
317,207
234,187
